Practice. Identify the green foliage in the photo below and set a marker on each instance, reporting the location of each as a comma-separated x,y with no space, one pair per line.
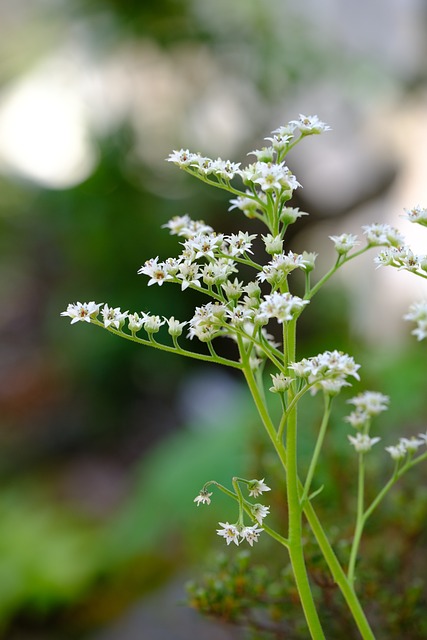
47,556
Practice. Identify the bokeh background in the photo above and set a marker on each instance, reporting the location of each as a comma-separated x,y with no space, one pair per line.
103,445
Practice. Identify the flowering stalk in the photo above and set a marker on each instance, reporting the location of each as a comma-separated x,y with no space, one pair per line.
208,263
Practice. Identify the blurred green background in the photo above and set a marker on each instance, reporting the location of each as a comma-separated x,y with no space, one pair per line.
103,446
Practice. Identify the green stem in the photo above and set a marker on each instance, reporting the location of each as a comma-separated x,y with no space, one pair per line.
331,272
360,520
295,513
318,447
169,349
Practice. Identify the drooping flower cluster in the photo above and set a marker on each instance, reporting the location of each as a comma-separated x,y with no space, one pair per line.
239,532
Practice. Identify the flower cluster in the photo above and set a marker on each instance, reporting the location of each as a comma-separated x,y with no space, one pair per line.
406,447
368,404
330,366
362,442
238,532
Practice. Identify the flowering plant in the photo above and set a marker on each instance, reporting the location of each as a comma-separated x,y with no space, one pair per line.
209,263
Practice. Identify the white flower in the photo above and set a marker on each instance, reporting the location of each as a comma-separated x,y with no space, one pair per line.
266,154
224,168
382,235
134,322
233,290
330,386
259,512
345,242
310,125
203,498
230,532
81,311
411,444
239,244
250,534
281,383
370,402
202,164
330,364
397,452
309,259
188,274
256,487
183,157
281,137
113,316
282,306
418,313
423,437
247,204
362,442
273,244
156,271
175,327
290,215
151,323
357,419
417,214
274,177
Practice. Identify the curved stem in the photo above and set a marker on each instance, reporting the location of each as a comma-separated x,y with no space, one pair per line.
163,347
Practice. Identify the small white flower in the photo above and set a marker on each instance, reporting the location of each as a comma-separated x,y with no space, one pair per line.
281,383
155,270
282,306
309,259
273,244
418,314
203,498
259,512
183,157
290,215
357,419
309,125
174,326
266,154
411,445
362,442
382,235
113,317
257,487
345,242
397,452
250,534
230,532
189,275
423,437
417,214
135,322
151,323
233,290
81,311
370,402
